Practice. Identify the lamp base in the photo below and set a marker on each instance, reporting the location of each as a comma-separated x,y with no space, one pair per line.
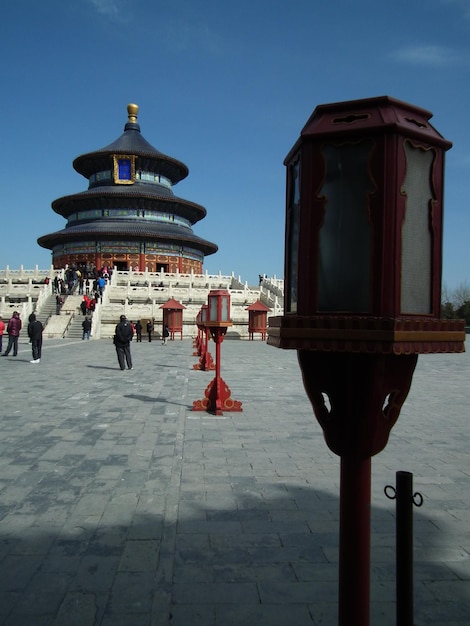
217,399
205,363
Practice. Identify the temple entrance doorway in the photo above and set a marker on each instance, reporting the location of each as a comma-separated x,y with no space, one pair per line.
121,266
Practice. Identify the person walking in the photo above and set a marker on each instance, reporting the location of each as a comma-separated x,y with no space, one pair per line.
13,330
86,325
58,303
101,284
165,335
138,331
122,338
35,329
2,330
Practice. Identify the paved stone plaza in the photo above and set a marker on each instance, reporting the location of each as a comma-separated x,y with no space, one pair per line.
119,506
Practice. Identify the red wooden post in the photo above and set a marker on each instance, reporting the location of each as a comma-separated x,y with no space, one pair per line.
363,257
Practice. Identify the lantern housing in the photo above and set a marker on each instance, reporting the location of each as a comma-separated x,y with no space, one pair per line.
218,308
363,247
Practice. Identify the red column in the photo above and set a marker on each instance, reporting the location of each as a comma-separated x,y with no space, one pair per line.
354,542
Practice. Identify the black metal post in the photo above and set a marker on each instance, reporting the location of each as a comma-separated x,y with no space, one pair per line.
403,494
404,556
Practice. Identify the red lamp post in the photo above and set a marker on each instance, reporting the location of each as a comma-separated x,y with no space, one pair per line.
200,329
198,343
197,340
363,255
217,396
205,362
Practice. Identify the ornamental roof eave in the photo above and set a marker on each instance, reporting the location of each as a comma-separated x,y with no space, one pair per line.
116,197
122,230
99,160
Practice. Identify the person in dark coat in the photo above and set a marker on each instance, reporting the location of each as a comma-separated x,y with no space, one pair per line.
58,303
35,329
138,330
86,325
150,328
165,334
13,330
122,338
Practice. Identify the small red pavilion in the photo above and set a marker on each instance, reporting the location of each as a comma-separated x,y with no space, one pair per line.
257,319
173,317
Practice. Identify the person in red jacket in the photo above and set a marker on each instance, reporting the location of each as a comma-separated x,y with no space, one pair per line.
2,330
13,330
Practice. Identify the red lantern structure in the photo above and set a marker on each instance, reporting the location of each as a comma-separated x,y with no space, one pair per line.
205,362
198,339
257,319
363,255
217,396
173,317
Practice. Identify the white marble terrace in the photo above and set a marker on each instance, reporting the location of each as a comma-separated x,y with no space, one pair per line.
138,295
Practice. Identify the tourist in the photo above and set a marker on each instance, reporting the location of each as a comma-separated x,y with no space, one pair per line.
138,331
35,329
101,284
150,329
86,325
165,334
59,301
2,330
13,330
122,338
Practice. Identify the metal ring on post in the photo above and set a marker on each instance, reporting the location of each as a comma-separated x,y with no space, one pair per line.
392,488
417,497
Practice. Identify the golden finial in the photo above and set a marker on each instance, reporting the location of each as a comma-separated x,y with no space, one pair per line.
132,110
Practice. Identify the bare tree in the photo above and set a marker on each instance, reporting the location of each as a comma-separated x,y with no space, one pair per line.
461,295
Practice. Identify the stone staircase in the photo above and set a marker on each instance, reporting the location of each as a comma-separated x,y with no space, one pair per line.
47,309
75,329
70,316
71,306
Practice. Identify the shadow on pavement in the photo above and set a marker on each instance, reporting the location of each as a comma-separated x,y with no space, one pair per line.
270,559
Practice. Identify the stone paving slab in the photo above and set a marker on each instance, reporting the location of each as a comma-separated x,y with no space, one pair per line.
120,506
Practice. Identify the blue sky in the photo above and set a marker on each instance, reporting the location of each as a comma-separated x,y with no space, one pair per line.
224,87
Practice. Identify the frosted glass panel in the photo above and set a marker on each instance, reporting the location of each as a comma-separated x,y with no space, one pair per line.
293,216
212,309
416,254
345,237
225,315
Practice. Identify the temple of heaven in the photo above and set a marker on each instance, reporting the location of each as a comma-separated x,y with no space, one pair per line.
129,217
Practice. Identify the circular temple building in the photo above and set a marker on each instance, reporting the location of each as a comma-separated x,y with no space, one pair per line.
129,217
